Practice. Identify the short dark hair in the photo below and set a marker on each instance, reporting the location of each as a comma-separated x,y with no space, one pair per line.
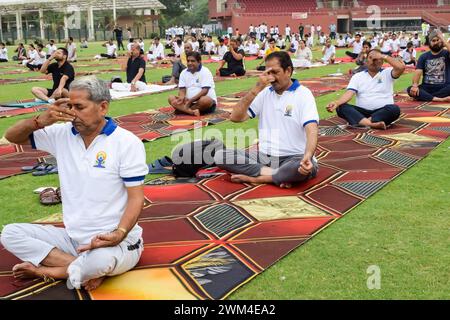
2,43
64,50
156,38
197,56
271,40
367,43
71,38
409,44
283,58
40,45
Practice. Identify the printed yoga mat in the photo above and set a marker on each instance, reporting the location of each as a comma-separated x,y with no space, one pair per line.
204,238
163,122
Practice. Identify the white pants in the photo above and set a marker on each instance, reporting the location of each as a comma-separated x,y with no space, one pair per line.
301,63
33,243
118,86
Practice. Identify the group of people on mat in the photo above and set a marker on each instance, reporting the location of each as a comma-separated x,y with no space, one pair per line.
105,165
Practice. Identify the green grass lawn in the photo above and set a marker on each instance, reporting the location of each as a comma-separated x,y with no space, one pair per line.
404,229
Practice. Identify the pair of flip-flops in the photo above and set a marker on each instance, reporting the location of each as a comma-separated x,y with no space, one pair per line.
38,166
50,196
160,166
48,169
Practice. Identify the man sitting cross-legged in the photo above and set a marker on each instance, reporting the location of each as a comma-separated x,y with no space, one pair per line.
196,95
101,172
374,90
135,70
434,68
62,73
288,126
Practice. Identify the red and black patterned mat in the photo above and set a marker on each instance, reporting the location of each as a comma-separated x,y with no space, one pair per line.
206,238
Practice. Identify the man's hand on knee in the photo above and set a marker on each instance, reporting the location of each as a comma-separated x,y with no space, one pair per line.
306,167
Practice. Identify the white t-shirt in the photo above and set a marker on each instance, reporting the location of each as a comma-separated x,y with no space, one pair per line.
195,45
230,30
387,45
310,42
373,93
416,42
178,49
4,53
322,39
158,51
209,46
93,181
357,46
341,43
111,49
251,29
221,50
39,58
395,45
287,31
50,49
195,82
129,45
142,45
253,48
406,56
329,52
403,42
32,54
282,119
71,50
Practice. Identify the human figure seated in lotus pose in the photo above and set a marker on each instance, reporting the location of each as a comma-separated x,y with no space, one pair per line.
434,69
374,90
288,129
101,171
196,88
234,59
135,70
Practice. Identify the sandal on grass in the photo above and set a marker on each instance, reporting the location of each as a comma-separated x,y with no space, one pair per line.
50,196
49,169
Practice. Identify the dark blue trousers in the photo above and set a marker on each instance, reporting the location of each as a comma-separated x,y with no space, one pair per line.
354,114
428,92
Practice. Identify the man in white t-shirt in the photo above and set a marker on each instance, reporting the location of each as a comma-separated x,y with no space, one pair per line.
287,129
37,59
287,32
416,41
51,47
3,52
340,43
101,173
329,52
111,50
395,44
230,31
197,93
357,47
222,48
409,54
72,49
294,44
386,45
209,46
156,51
374,90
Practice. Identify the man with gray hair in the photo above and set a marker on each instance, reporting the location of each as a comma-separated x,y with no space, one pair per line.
101,172
135,70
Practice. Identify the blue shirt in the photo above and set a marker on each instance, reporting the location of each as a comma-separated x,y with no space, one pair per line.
436,68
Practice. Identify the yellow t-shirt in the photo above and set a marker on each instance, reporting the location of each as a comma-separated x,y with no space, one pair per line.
269,51
183,58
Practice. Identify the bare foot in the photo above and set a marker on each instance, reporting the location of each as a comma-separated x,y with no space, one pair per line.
93,283
25,270
241,178
196,112
378,125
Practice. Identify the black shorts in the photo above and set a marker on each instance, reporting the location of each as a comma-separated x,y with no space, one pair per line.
211,109
50,92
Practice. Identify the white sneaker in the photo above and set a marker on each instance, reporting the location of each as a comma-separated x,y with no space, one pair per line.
38,100
51,101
